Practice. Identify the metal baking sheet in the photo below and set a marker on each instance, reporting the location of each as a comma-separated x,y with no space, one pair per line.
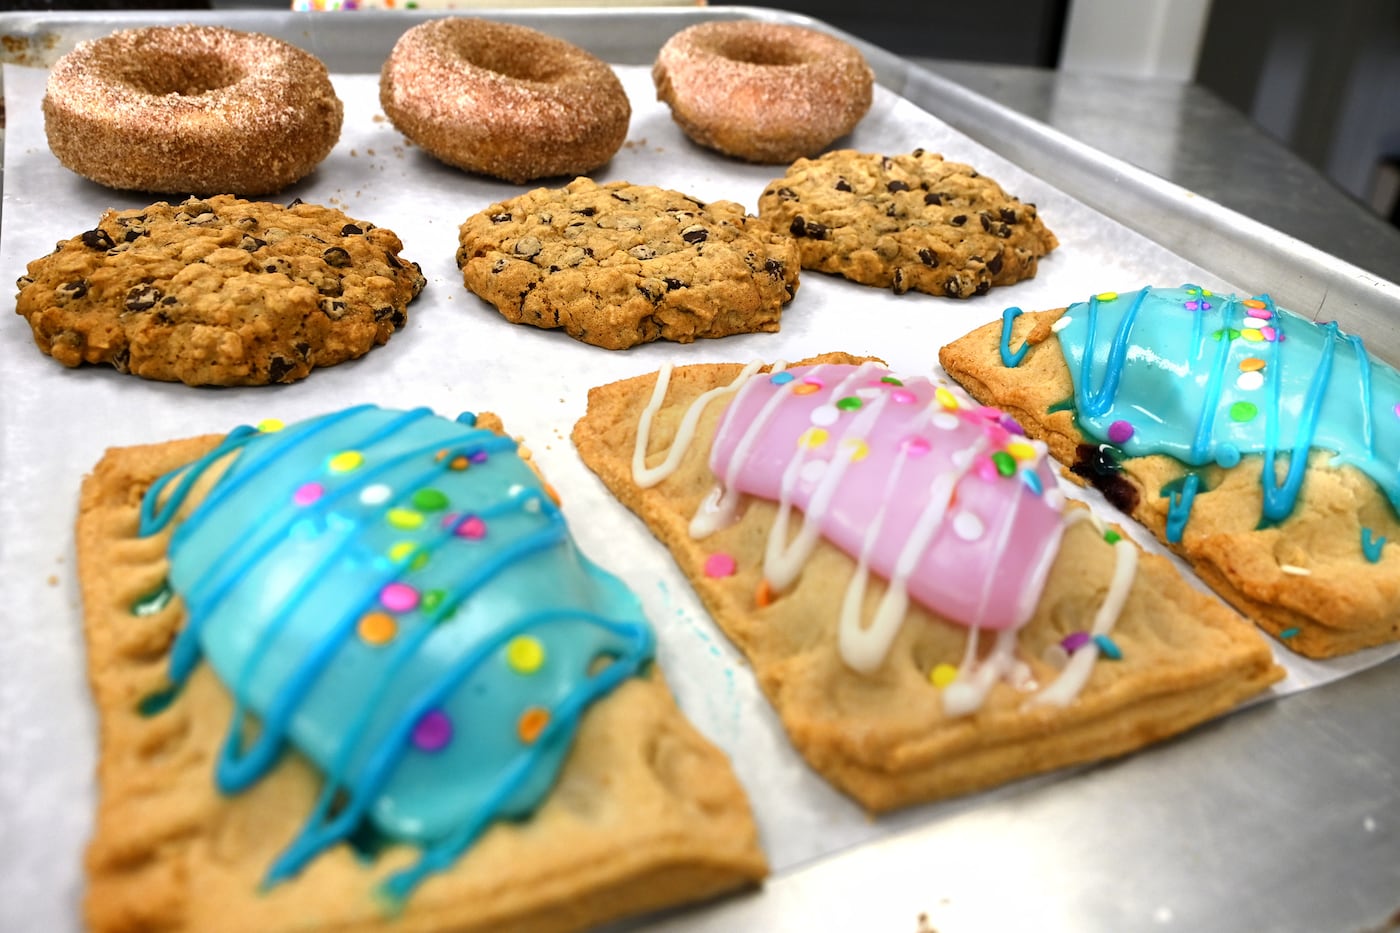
1171,837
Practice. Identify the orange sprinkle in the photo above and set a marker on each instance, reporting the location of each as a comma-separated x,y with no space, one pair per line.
1251,364
460,463
1253,303
376,628
764,595
531,724
804,388
553,494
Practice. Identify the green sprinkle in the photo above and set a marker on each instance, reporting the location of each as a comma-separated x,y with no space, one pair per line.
1005,463
891,380
1289,633
1243,411
154,703
1108,648
1112,537
1230,334
432,599
430,500
849,403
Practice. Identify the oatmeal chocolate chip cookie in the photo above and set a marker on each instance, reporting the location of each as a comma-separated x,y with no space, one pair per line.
906,221
616,265
219,291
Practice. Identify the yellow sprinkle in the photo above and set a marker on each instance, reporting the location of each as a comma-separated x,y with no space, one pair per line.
946,399
404,549
1021,450
1206,292
271,425
404,518
1106,296
345,461
525,654
1252,333
813,437
942,675
857,448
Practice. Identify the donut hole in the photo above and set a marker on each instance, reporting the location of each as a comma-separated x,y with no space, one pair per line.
528,64
763,53
184,75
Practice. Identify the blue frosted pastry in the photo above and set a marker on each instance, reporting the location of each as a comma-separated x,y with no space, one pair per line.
392,607
1262,446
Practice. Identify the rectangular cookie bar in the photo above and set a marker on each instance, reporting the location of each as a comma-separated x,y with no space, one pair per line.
900,569
324,702
1263,448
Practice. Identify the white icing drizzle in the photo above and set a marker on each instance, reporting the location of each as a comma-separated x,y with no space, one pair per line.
782,562
722,502
645,476
975,679
1070,682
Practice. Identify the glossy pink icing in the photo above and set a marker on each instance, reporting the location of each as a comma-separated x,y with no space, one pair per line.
987,560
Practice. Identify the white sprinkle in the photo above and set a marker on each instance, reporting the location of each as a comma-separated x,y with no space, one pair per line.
812,470
825,415
968,526
1250,381
1061,324
376,494
945,421
1295,570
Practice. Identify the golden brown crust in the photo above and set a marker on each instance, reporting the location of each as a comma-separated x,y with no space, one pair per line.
883,738
764,92
191,110
1302,581
645,814
503,100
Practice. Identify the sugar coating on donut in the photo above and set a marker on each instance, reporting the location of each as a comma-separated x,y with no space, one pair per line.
764,92
503,100
191,110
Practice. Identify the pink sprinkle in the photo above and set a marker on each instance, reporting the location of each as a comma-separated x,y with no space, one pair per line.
479,457
308,493
998,435
433,731
1192,305
1011,426
1269,333
1397,409
903,397
720,564
915,446
1261,313
399,597
813,381
987,469
1205,306
1119,432
473,528
990,413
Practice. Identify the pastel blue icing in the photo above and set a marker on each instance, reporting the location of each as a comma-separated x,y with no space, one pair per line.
1172,372
276,579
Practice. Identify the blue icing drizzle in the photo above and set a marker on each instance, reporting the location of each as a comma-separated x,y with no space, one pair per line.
395,595
1206,378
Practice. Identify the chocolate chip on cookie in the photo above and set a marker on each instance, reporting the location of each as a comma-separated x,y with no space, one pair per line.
906,222
616,265
219,291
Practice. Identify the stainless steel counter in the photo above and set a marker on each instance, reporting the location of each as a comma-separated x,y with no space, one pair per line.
1187,135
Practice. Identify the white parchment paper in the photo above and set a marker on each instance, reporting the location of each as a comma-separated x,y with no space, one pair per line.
456,353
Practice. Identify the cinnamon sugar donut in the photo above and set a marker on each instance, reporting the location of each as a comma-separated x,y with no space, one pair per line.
764,92
503,100
191,110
